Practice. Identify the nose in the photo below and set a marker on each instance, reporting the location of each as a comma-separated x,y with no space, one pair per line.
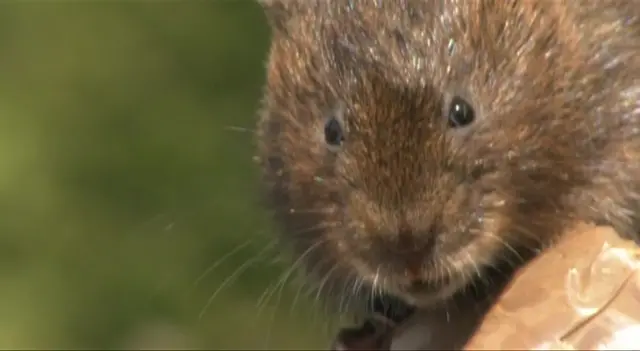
415,248
423,286
417,285
416,242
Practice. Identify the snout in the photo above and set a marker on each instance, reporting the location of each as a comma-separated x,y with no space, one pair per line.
407,257
413,269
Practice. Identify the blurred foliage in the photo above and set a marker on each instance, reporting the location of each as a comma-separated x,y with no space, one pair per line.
121,183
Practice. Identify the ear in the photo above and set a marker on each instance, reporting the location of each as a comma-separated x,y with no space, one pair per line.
277,13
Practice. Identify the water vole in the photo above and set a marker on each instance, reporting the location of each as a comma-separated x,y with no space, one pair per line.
409,146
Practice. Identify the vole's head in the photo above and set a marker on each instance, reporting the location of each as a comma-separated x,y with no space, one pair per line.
411,144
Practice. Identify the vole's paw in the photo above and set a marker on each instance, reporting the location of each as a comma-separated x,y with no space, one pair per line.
371,335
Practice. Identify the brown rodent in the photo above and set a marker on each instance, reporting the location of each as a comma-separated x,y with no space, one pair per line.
410,146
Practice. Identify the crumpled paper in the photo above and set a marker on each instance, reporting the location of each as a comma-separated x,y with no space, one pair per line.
581,294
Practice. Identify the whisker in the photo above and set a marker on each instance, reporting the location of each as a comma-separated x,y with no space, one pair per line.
309,288
355,291
440,271
374,287
329,292
449,269
273,315
384,284
313,272
310,211
468,276
222,260
281,283
505,244
293,210
322,225
474,264
323,282
239,129
296,297
359,287
277,288
527,232
266,296
232,278
344,293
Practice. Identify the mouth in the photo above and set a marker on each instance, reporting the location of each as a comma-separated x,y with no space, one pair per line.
420,289
428,287
424,293
390,311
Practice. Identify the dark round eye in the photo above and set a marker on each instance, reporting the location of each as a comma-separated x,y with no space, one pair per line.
333,135
460,113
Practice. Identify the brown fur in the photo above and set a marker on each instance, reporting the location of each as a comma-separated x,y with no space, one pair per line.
556,89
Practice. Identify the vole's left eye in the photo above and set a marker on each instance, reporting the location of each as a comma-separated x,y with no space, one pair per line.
333,133
460,113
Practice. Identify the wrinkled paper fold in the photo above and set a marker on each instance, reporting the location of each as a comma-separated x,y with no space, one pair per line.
582,294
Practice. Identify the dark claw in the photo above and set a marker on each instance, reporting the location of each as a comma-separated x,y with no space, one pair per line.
391,308
369,336
374,334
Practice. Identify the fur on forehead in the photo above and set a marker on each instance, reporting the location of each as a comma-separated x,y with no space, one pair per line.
278,13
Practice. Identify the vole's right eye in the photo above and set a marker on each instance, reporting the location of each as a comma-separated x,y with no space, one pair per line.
333,133
461,113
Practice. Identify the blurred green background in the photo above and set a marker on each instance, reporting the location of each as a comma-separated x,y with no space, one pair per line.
122,184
